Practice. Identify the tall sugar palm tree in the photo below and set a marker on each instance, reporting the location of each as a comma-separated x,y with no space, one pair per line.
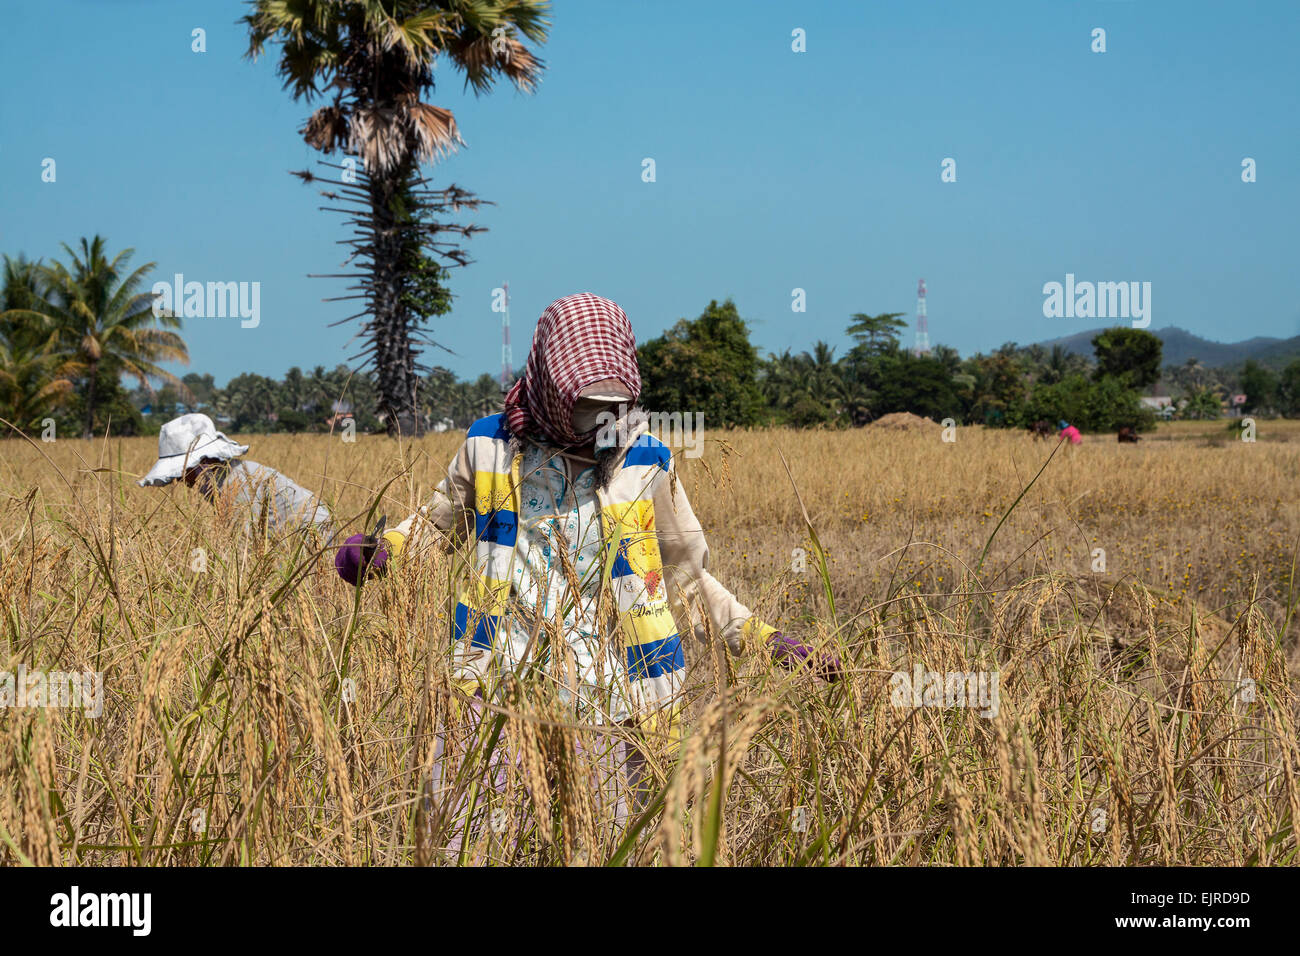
373,62
99,315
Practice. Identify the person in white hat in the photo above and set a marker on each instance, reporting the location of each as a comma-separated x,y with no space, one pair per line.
192,450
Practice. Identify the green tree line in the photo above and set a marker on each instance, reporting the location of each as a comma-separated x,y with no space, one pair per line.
709,365
81,345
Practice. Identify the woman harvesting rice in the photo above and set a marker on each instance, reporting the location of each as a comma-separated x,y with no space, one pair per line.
190,449
578,529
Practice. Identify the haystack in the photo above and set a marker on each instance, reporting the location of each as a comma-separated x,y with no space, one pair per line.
904,421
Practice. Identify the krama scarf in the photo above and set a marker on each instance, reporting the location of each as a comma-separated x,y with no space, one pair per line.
580,339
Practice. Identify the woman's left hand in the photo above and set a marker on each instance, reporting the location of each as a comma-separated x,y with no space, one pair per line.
790,652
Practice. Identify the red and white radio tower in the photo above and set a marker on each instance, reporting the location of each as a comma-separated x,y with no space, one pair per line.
507,363
922,325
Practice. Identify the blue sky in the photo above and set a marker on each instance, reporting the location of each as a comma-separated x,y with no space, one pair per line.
775,170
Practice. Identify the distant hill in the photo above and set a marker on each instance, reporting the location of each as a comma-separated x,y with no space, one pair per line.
1180,345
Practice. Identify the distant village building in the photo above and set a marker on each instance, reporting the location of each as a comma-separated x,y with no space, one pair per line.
1162,405
341,412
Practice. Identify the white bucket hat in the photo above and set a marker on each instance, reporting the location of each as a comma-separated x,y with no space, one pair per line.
184,442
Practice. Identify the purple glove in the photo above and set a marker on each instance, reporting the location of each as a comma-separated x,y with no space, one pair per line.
790,652
361,555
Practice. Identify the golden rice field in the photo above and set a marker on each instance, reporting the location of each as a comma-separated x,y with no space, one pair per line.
260,711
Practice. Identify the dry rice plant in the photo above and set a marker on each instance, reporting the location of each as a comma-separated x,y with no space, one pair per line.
1133,604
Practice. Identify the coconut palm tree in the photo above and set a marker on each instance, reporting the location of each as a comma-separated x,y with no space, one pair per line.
316,392
31,373
486,395
781,380
826,377
33,378
99,317
20,284
1056,368
1203,403
293,389
374,62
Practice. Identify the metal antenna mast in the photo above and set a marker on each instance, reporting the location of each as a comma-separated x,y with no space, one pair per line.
507,360
922,323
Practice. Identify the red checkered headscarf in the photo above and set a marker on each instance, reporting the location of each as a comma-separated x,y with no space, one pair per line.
580,340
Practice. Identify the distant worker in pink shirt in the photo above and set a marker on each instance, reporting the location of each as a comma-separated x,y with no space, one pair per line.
1070,432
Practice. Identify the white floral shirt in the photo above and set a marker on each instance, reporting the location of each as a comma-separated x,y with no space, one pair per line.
559,524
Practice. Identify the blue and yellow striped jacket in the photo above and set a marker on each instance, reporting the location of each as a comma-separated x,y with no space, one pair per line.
632,567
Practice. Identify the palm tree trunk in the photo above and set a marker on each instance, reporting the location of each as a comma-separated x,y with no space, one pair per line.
391,321
90,400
